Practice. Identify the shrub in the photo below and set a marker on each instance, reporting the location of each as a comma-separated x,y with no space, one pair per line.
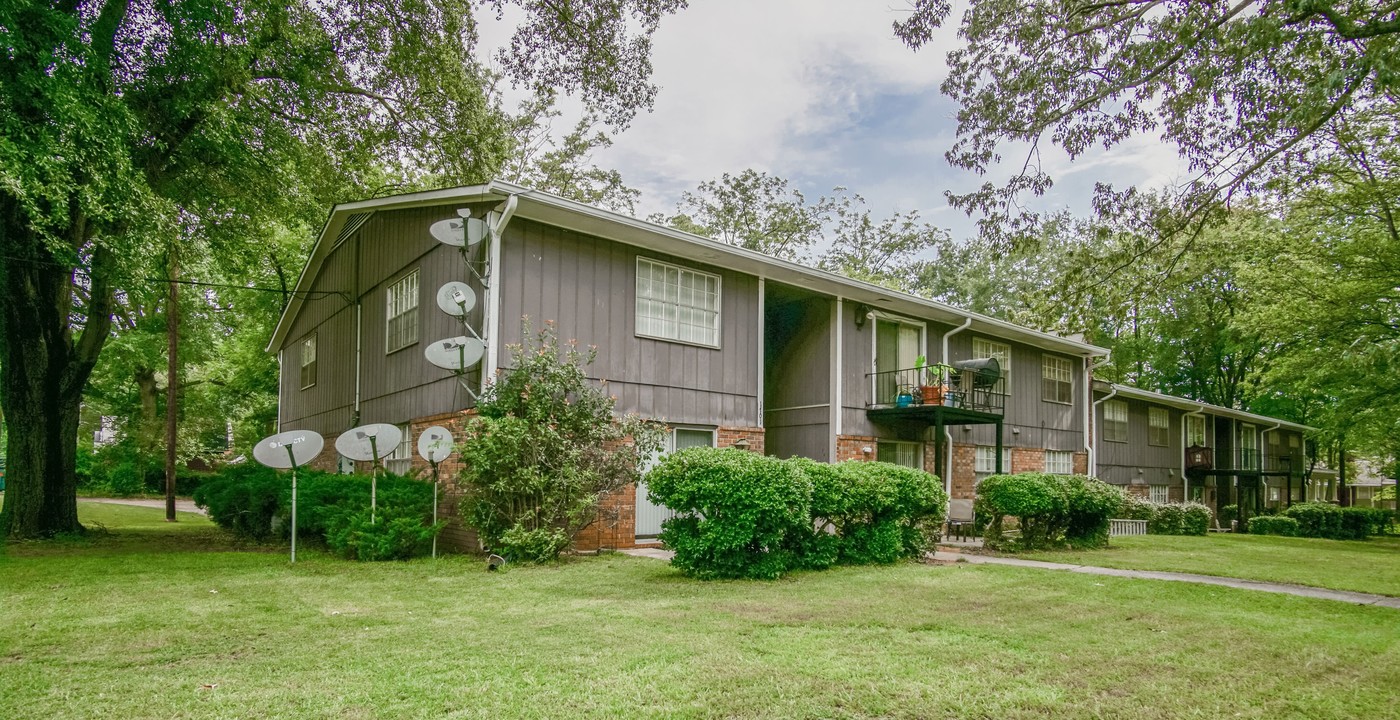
1051,510
889,512
545,450
397,533
1167,518
1316,519
243,499
1359,523
1196,519
1273,525
1135,507
1229,514
738,514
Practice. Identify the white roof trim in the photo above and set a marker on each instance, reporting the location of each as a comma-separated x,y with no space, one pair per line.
555,210
1193,405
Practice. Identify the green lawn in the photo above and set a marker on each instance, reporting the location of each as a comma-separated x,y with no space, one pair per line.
1371,566
102,628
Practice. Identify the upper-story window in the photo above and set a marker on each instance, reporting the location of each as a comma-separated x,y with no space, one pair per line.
401,313
1115,421
1293,441
1195,430
1056,384
308,361
984,348
1059,462
1159,426
676,303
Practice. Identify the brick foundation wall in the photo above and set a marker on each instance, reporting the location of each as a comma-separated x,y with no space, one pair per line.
1081,463
964,471
852,447
454,536
1027,460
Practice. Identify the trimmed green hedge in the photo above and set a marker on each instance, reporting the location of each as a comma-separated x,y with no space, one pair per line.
254,502
741,515
1167,518
1273,525
1050,510
1324,520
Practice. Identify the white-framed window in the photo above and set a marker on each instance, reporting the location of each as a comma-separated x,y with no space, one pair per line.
1249,447
1056,384
1159,426
1293,441
985,462
401,313
1157,493
984,348
1115,421
308,361
1274,494
1195,430
908,454
1059,462
401,459
676,303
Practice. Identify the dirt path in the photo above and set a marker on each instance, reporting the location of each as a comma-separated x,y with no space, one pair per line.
180,505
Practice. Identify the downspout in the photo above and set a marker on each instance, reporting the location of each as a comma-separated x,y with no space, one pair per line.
493,302
359,333
1089,368
948,433
1094,444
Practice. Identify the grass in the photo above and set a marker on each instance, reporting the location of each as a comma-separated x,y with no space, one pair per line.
187,627
1371,566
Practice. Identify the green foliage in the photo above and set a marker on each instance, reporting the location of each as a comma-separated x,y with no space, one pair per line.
1050,510
1229,514
1167,518
1316,519
545,450
1273,525
254,503
886,512
735,511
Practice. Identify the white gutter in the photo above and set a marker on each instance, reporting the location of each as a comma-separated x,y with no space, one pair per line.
493,291
1089,368
1094,444
948,433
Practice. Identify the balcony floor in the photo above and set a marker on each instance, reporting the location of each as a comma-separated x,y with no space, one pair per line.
950,415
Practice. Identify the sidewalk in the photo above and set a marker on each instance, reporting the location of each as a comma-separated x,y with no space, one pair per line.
1355,598
180,505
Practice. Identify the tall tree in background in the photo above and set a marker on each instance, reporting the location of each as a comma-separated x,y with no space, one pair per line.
1242,88
128,123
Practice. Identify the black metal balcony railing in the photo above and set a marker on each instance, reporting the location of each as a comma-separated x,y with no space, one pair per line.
937,385
1280,463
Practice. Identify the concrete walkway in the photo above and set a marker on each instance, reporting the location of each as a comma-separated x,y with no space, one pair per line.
180,505
1355,598
655,553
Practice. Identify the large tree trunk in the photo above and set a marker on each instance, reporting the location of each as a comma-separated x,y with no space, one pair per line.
43,373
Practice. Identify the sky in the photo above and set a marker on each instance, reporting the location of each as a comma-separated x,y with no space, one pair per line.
821,93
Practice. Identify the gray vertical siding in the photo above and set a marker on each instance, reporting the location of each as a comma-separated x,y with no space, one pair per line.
1120,462
587,285
797,374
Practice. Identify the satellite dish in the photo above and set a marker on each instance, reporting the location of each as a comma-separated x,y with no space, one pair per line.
459,231
455,354
305,446
356,443
435,444
456,298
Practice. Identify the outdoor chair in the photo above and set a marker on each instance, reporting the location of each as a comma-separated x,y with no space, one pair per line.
961,521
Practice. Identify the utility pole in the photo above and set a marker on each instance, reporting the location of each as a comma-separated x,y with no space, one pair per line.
172,318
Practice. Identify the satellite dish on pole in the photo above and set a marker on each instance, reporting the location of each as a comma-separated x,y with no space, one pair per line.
435,444
290,449
455,354
370,443
456,298
463,231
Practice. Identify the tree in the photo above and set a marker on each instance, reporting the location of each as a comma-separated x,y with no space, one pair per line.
752,210
131,126
546,449
1243,89
563,165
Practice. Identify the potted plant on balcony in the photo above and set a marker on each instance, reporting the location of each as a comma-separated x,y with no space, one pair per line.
930,385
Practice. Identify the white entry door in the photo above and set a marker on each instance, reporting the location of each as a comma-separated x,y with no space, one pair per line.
649,515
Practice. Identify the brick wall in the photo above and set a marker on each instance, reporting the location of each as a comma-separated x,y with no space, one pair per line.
1027,460
455,535
964,471
1081,463
852,447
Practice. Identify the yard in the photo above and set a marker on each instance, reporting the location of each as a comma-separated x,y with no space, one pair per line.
1371,566
154,620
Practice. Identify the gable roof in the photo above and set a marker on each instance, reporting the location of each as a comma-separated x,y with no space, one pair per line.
1189,405
554,210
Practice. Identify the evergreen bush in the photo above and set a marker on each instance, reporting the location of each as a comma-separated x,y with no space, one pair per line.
1273,525
1051,510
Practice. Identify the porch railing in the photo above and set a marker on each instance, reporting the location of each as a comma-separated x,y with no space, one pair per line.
937,385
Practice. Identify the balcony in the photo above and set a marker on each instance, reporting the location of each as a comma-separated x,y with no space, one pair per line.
938,393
